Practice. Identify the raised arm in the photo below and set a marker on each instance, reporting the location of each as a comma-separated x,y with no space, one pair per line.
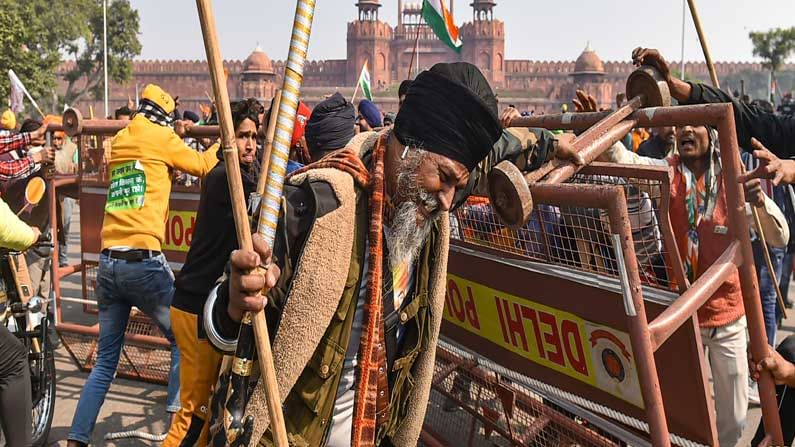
776,132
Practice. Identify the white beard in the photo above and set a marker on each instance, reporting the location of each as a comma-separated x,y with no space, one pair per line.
406,236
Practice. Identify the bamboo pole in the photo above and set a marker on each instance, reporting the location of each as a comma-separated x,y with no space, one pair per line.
229,147
713,75
703,40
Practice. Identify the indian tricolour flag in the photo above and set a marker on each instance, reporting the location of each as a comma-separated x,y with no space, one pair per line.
437,15
364,82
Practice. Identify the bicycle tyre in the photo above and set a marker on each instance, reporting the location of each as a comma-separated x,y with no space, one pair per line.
44,410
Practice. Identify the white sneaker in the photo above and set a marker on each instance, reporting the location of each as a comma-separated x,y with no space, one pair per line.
753,394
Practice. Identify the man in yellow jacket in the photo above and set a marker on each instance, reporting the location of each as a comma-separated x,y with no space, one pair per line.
132,269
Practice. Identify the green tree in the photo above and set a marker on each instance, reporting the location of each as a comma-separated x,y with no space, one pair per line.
773,46
85,78
33,33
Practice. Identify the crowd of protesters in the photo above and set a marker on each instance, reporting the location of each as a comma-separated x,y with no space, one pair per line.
152,151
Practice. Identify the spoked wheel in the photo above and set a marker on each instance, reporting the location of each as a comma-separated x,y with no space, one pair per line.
43,394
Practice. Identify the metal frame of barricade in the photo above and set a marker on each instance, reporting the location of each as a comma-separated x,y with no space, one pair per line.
648,336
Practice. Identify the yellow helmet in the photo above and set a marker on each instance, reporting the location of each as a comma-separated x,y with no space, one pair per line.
158,96
8,120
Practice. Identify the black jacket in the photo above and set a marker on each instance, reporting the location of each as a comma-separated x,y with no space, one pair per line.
776,132
214,238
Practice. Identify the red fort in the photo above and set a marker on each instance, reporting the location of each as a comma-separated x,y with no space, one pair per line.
541,86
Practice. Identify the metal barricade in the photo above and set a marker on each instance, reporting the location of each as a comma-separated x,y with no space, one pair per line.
610,266
605,234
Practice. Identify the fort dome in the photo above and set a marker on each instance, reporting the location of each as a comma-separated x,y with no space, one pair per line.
258,62
589,62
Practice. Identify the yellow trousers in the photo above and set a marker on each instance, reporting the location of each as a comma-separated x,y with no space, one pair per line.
198,370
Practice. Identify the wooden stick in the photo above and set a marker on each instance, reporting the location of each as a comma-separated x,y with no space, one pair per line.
703,40
414,52
229,147
266,151
769,262
356,90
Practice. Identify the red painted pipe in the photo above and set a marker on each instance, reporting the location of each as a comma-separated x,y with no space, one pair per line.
696,295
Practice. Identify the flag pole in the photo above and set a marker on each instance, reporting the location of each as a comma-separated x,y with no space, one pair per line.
414,51
356,90
105,51
12,76
684,18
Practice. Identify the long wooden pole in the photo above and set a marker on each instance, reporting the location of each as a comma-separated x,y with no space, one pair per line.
703,40
414,52
229,147
766,385
268,147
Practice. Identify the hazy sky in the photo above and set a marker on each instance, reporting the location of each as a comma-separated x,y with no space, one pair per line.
535,29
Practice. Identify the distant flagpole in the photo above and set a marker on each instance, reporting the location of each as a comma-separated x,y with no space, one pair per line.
414,52
684,18
356,90
16,87
105,51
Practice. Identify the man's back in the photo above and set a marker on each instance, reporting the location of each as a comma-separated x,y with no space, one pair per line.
143,156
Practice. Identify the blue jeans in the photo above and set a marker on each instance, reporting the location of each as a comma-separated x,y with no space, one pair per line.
786,274
766,290
147,285
67,207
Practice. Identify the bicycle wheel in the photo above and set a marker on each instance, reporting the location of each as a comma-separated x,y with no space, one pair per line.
44,397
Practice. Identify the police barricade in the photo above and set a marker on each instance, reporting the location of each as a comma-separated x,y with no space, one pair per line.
585,311
541,340
537,350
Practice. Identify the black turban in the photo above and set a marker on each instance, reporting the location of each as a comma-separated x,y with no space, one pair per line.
450,110
331,124
404,87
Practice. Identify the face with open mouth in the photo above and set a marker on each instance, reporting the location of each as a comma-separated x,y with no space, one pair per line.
693,142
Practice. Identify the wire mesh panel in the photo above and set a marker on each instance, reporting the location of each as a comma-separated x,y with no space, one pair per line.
138,362
580,237
94,157
473,405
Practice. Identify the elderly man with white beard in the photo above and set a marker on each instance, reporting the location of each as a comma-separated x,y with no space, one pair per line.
358,272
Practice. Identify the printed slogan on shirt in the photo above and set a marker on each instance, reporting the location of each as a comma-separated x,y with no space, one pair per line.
127,187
